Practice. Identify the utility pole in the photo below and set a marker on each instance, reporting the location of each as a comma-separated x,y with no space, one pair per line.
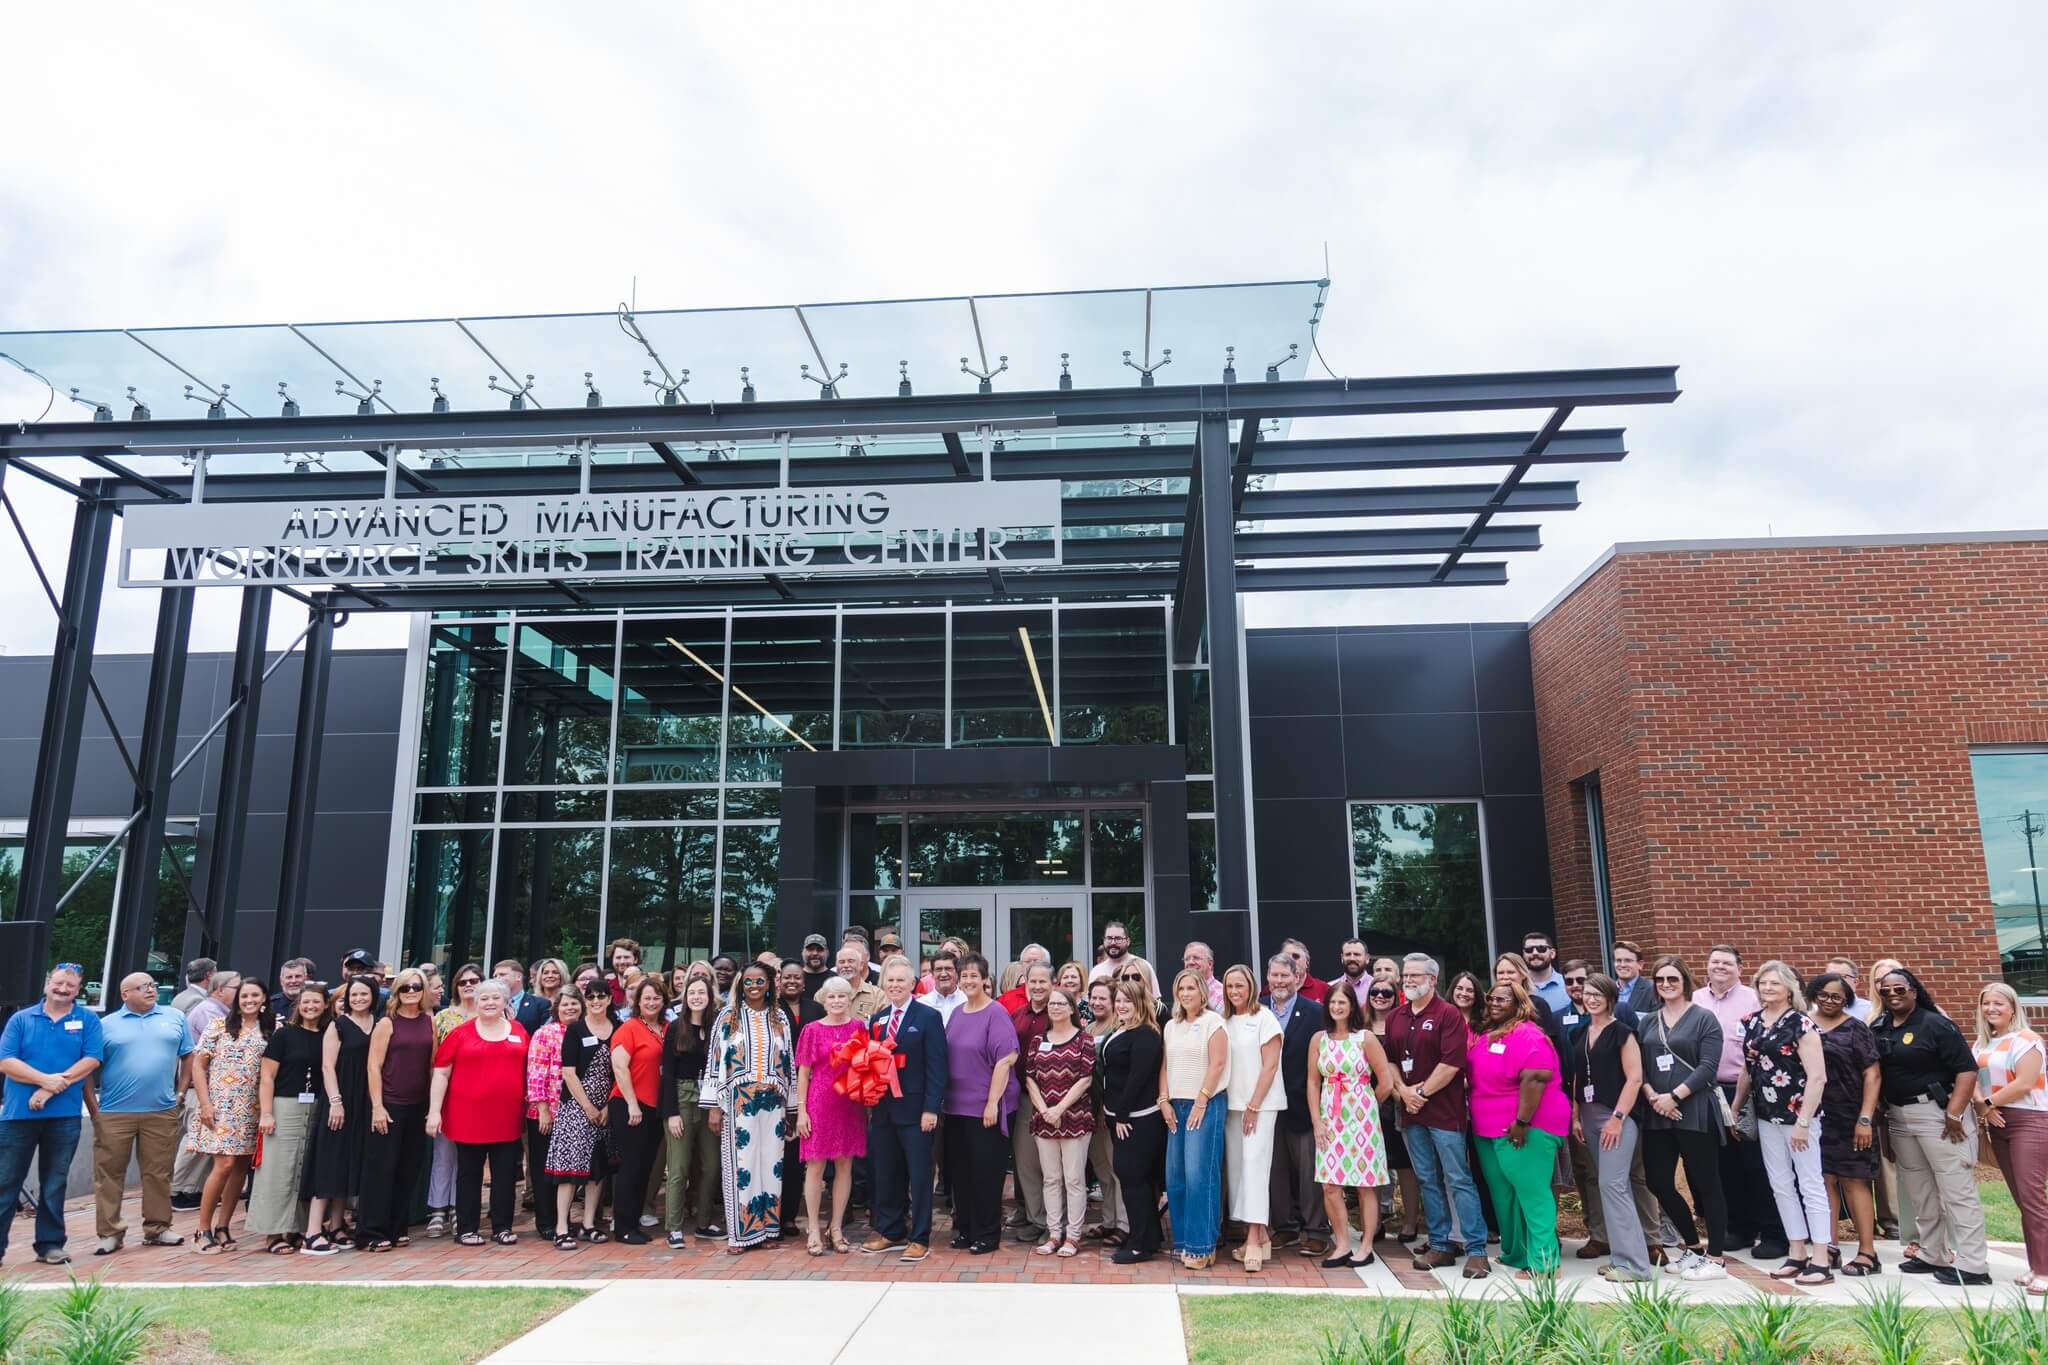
2030,825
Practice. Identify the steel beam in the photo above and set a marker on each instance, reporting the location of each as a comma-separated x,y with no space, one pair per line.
1271,504
49,809
668,456
296,869
863,416
135,907
1510,481
237,778
1226,678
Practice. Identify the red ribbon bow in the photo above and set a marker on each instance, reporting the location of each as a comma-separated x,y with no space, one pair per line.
870,1066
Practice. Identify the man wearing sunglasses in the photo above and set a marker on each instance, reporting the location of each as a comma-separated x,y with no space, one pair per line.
44,1054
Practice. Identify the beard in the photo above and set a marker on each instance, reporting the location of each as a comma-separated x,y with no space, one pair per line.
1413,993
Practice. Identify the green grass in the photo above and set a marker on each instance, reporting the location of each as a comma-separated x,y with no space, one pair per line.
309,1324
2001,1215
1288,1329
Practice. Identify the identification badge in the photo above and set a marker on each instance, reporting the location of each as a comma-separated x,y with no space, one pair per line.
1665,1061
1499,1048
1045,1045
1587,1093
74,1025
305,1097
590,1042
1906,1038
1571,1019
1407,1065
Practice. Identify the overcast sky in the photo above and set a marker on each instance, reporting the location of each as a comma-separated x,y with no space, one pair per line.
1831,217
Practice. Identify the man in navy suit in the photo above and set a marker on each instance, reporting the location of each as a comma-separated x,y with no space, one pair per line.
528,1011
1298,1214
900,1131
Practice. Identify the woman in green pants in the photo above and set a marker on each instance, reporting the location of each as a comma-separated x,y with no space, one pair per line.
1519,1116
692,1146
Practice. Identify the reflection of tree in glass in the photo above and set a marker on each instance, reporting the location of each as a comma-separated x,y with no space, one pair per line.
661,892
1417,878
548,894
166,944
463,689
746,922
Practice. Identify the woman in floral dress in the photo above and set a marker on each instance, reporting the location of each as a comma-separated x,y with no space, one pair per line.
746,1087
1785,1071
1348,1076
832,1127
226,1069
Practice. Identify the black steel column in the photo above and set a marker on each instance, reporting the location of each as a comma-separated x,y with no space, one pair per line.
1226,681
297,867
135,908
78,617
237,772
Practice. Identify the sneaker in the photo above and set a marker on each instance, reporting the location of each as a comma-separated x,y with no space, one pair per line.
165,1239
676,1240
107,1246
877,1244
648,1220
1684,1261
1614,1274
54,1256
914,1252
185,1201
1703,1268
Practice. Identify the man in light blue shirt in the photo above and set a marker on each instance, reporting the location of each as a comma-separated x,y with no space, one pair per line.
45,1052
134,1107
1539,954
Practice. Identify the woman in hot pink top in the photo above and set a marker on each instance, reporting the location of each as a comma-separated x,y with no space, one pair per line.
1519,1118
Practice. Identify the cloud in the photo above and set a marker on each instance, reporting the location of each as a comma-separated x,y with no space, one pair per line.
1829,215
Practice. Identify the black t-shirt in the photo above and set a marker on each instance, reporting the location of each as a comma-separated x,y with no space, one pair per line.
813,980
1920,1058
580,1047
297,1054
1599,1063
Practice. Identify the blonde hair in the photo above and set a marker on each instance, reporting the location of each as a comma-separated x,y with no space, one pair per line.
1141,1003
412,974
1784,973
2012,998
1012,974
1251,1005
1201,986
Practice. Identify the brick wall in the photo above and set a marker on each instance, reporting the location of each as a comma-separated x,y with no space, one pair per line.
1782,741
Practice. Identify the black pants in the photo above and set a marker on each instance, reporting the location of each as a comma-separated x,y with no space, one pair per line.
1137,1160
537,1183
469,1184
394,1161
902,1154
981,1158
1746,1190
636,1146
1662,1150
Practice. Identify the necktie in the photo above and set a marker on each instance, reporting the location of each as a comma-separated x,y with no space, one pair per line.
895,1018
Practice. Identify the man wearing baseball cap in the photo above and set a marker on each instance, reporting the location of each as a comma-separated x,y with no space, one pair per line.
817,964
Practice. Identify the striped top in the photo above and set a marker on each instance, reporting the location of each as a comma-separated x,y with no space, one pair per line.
1997,1063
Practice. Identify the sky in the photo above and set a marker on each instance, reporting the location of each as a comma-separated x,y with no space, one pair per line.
1829,216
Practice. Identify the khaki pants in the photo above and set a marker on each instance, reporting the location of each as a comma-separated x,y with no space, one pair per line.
152,1138
1030,1173
189,1168
1939,1178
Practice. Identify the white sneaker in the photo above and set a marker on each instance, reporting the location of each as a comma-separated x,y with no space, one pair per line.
1704,1269
1682,1262
648,1220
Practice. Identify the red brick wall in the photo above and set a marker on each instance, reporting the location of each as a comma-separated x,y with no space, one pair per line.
1782,738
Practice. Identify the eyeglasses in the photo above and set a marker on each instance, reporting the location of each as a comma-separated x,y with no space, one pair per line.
467,981
1575,981
71,967
414,988
1669,979
1894,990
1832,997
1379,995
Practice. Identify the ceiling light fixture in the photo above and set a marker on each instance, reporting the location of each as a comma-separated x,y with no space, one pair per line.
1031,658
694,658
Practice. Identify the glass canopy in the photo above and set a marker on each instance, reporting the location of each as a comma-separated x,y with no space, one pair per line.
1097,339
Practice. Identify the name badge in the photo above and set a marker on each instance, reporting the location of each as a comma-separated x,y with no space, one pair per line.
590,1042
305,1097
1587,1092
74,1025
1499,1047
1045,1045
1571,1019
1664,1061
1407,1065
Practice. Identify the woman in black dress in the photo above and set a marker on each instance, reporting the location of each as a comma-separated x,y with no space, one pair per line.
577,1146
1848,1106
1131,1060
341,1121
1382,999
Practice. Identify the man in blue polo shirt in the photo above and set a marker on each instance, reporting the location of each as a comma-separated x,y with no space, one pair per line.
134,1106
44,1053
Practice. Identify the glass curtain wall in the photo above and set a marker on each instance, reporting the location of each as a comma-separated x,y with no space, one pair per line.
2012,817
83,928
588,778
1418,882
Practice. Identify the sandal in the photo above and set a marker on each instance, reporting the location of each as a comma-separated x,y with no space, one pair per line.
2037,1286
506,1238
401,1240
565,1241
381,1244
1816,1274
1046,1248
1792,1270
1067,1248
839,1243
470,1239
318,1245
817,1245
597,1236
280,1247
224,1237
206,1245
1862,1266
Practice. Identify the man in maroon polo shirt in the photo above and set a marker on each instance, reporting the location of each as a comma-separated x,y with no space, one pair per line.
1426,1043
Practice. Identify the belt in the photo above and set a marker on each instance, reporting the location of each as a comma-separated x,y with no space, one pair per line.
1138,1114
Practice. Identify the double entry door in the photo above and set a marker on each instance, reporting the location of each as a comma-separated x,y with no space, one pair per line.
998,923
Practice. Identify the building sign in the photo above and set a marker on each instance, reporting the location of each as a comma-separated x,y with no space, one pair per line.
685,534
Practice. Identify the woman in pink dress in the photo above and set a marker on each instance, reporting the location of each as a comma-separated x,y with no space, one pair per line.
831,1127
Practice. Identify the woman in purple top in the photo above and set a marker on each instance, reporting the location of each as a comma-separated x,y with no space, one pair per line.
401,1069
981,1095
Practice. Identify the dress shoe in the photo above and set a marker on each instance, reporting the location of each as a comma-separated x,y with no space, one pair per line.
1435,1260
1948,1274
1913,1265
879,1243
1770,1251
961,1241
1292,1237
185,1201
1315,1248
1130,1256
984,1248
914,1253
1592,1251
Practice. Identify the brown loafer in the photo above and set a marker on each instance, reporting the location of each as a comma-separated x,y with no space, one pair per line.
914,1253
877,1243
1435,1260
1592,1251
1315,1248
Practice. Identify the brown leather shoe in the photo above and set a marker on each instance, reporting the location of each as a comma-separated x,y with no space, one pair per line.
1592,1251
879,1243
1435,1260
914,1253
1477,1268
1315,1248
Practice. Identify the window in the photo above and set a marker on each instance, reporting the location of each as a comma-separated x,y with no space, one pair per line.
669,699
561,718
1417,881
2012,815
1113,676
1596,850
465,697
781,693
892,681
1002,686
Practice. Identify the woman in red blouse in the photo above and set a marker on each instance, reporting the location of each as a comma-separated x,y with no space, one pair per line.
1058,1072
633,1127
480,1080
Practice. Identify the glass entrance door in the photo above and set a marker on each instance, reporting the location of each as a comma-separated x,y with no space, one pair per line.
1051,919
932,917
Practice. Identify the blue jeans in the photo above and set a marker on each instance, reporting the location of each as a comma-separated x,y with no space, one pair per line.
50,1143
1194,1178
1438,1156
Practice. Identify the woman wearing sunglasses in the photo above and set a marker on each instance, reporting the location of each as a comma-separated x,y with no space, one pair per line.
1382,998
1680,1112
401,1068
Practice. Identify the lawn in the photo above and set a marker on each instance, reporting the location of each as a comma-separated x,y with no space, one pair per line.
344,1324
2001,1215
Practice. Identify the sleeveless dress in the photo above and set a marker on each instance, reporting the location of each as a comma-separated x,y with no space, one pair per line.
334,1165
576,1145
1356,1153
234,1065
839,1126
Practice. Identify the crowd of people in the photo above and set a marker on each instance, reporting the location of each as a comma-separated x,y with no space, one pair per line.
747,1103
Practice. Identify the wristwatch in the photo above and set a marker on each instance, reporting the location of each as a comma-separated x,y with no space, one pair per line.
1863,1121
